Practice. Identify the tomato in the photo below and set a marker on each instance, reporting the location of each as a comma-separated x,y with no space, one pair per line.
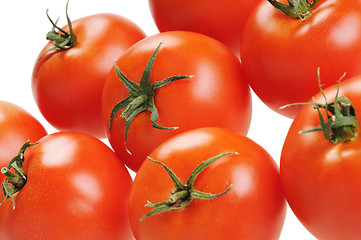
214,94
76,189
253,207
322,178
223,21
16,127
281,54
67,84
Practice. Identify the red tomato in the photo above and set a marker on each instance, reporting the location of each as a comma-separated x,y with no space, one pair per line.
223,21
217,95
322,180
16,127
76,189
254,207
280,54
67,85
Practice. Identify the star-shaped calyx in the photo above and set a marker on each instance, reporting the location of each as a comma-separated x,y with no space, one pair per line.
341,124
183,194
141,97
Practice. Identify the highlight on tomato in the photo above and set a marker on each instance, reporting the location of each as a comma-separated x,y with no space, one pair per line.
222,20
17,126
320,162
169,83
68,185
207,183
70,71
280,54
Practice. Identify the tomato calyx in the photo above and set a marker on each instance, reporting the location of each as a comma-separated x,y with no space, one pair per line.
61,39
300,9
15,180
183,194
341,125
141,97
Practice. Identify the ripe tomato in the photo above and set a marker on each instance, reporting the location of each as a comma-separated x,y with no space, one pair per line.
223,21
67,84
322,179
16,127
76,189
281,54
253,208
217,95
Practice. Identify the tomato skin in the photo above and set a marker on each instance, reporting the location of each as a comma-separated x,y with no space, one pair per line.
216,96
76,189
254,208
222,20
67,85
280,55
322,180
16,127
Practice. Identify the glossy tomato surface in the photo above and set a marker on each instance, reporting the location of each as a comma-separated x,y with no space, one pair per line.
67,85
216,95
222,20
76,188
281,54
322,180
254,208
16,127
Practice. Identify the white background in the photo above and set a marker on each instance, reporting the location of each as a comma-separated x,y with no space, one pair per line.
23,25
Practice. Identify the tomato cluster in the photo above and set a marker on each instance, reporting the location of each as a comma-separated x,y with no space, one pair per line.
150,132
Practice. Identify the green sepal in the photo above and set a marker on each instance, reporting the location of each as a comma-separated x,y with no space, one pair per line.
15,180
195,194
300,9
141,97
183,194
341,124
61,39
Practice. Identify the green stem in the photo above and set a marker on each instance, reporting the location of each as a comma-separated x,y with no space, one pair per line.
179,196
18,180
